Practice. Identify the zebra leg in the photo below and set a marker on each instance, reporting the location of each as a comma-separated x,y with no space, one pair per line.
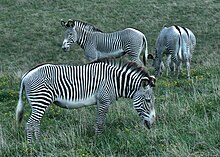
181,67
176,67
29,130
102,109
33,124
33,127
168,65
172,68
137,60
167,69
105,96
135,57
188,70
177,70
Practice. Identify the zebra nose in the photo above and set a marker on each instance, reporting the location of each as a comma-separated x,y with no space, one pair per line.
64,49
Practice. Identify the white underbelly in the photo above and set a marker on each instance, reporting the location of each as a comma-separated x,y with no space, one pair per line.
115,53
76,103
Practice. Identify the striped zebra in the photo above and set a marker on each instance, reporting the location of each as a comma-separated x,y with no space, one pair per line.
178,43
97,44
100,83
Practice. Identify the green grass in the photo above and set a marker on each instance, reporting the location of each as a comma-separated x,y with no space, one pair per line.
188,112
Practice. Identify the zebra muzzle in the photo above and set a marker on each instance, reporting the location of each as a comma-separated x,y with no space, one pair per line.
65,49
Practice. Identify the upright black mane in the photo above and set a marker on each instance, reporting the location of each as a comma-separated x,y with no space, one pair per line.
89,26
121,64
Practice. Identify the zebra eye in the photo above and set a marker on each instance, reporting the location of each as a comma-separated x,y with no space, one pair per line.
70,34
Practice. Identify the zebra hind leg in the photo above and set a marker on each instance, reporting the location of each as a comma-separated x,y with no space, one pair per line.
188,70
29,130
33,124
134,56
33,127
168,64
176,67
137,60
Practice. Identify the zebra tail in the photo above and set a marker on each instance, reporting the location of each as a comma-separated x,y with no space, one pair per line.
146,50
20,105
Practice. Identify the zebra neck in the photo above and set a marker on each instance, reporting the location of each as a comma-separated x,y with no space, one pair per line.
81,44
126,87
83,36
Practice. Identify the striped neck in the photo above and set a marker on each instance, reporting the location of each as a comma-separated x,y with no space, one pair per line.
82,37
128,82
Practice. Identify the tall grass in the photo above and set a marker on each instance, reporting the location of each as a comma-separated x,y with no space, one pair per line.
188,112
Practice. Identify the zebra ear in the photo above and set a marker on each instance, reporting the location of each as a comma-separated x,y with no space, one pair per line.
152,81
70,23
150,56
63,23
145,81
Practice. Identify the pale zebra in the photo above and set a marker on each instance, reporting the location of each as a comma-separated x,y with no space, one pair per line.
178,43
100,83
97,44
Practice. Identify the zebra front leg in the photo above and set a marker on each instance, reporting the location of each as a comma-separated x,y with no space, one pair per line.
105,96
102,109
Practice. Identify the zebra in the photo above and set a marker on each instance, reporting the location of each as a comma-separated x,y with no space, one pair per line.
101,82
97,44
178,43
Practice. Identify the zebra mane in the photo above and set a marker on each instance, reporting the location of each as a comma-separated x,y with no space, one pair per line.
87,26
121,64
177,27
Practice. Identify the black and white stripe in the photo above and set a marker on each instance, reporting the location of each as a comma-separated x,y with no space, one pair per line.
98,44
100,82
178,44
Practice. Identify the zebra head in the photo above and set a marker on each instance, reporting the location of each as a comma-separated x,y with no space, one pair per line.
70,35
157,64
143,101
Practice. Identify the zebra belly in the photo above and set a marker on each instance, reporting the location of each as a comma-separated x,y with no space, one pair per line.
113,53
71,104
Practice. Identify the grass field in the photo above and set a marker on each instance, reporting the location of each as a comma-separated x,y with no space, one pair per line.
188,111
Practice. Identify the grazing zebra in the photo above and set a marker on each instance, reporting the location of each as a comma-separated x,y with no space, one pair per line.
178,44
100,82
97,44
